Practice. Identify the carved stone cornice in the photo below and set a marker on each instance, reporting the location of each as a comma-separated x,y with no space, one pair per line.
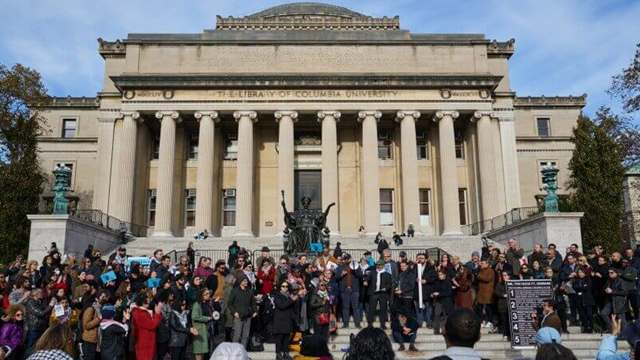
368,114
280,114
161,115
501,48
68,102
439,115
252,115
324,114
400,115
553,101
211,114
326,81
479,114
111,48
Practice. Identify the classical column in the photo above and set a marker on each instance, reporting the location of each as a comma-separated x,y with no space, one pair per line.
488,184
330,193
285,120
409,158
244,172
511,173
165,176
124,175
104,161
448,171
205,176
369,169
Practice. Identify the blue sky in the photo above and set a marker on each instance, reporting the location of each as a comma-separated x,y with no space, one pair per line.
562,47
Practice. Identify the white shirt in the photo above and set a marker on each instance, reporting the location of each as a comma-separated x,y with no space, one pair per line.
378,274
420,271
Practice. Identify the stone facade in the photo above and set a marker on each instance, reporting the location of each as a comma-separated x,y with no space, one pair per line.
631,193
203,131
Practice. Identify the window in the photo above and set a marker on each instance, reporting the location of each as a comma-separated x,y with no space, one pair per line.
386,207
155,150
193,147
462,204
423,150
543,164
425,206
190,207
151,207
384,146
459,144
229,207
231,149
70,166
69,128
544,129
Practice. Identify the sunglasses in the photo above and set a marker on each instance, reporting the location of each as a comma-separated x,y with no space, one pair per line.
284,286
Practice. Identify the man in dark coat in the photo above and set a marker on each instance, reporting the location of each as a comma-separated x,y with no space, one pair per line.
443,300
616,298
348,278
567,273
405,290
426,276
379,285
284,318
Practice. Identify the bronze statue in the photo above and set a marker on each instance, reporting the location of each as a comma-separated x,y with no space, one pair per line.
305,228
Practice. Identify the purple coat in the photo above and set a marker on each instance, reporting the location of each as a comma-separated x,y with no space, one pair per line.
11,335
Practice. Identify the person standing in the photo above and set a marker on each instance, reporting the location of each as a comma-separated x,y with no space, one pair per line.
36,316
12,332
180,329
349,285
320,310
242,306
200,323
584,292
379,284
145,322
283,319
442,300
484,297
113,334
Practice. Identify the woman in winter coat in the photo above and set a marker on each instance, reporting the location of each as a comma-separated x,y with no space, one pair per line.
500,292
484,297
318,305
283,319
266,277
11,332
180,329
145,323
464,296
537,270
200,324
584,291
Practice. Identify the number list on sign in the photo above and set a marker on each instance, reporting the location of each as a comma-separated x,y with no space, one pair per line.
523,298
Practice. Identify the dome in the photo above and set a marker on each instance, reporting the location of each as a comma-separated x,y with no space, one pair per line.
306,9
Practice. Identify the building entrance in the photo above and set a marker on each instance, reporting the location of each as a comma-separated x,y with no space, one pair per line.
308,183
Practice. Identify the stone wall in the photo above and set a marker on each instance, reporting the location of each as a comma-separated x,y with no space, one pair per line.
70,234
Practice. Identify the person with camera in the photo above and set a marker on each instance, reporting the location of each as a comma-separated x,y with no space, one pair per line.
284,319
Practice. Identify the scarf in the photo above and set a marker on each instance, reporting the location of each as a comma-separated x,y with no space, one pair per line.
420,271
182,317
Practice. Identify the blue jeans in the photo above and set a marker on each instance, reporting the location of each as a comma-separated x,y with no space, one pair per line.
401,338
425,314
31,339
350,302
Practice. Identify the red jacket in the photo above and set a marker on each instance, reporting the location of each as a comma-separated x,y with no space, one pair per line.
267,279
144,327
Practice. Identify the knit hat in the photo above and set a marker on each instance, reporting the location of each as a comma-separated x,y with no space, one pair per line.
108,312
548,335
475,253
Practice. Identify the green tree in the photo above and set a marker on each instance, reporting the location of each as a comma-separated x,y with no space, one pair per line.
21,178
626,85
597,172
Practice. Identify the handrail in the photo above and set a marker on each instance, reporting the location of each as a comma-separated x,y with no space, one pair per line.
509,218
99,218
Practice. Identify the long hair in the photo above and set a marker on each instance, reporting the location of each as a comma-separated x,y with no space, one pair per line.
56,337
371,344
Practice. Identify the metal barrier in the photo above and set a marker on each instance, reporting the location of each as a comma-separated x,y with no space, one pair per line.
509,218
215,255
432,253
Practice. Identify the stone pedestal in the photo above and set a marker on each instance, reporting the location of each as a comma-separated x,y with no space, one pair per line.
71,235
562,229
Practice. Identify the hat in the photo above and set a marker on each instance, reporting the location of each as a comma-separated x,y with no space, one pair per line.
108,311
367,253
548,335
403,253
265,249
475,253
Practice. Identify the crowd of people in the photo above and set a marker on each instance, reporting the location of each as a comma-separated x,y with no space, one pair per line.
92,306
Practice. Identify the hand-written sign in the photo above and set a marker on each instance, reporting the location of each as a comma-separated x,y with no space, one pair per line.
523,297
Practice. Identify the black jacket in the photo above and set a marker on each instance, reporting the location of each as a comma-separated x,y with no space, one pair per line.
179,332
584,290
284,314
386,282
408,284
242,302
113,341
